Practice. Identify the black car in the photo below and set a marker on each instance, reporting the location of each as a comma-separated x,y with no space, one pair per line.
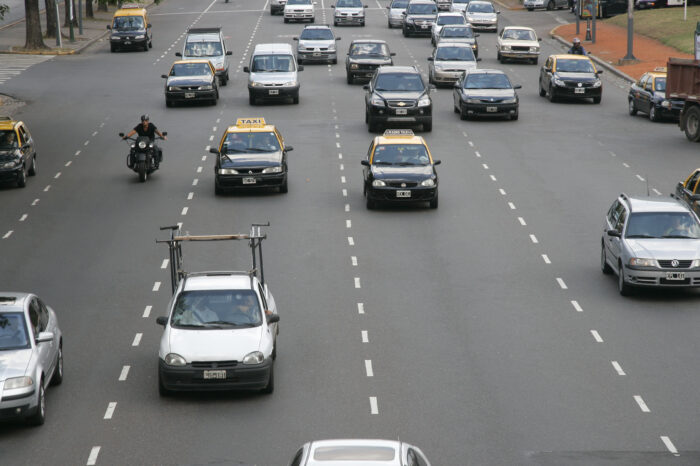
190,81
485,93
130,31
419,18
648,95
365,56
460,33
397,95
17,152
400,169
570,76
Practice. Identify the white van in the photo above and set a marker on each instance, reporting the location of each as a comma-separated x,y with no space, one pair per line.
207,43
272,73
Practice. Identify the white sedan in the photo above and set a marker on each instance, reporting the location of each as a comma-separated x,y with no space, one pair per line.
518,43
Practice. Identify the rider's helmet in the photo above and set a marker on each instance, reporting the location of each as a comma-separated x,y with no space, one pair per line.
145,117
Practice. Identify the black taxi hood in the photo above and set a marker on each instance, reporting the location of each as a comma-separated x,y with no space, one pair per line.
251,160
402,172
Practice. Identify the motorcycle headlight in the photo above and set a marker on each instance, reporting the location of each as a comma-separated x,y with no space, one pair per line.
256,357
378,183
140,36
428,183
640,262
150,145
272,170
597,83
354,66
172,359
228,171
205,88
424,101
18,382
558,82
133,146
378,101
509,101
142,144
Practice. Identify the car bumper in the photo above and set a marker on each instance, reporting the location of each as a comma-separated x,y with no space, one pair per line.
495,109
18,406
396,21
298,16
361,73
267,180
317,56
10,174
350,20
182,96
413,116
389,194
188,378
519,55
569,92
447,77
415,30
657,278
484,26
128,44
444,6
263,93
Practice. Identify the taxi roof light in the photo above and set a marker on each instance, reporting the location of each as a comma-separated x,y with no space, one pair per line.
250,123
398,133
660,69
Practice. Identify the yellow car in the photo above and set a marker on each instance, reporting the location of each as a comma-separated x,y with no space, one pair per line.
648,95
251,154
572,77
130,29
17,152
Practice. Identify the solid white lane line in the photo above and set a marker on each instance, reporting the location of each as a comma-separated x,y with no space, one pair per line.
92,458
156,286
493,178
7,235
137,339
147,312
486,167
110,409
368,368
522,221
597,336
190,196
345,193
124,374
533,238
68,163
373,408
353,259
351,241
195,181
511,205
671,447
342,179
502,191
23,218
365,337
577,306
36,201
618,368
640,178
562,284
57,175
545,258
164,265
48,186
184,211
642,405
357,282
348,224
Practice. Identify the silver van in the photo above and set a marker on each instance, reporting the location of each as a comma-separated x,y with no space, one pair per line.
272,73
207,43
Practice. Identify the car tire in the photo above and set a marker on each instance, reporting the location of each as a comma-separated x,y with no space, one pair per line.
498,57
596,100
430,78
22,177
542,92
284,187
39,416
631,108
550,5
428,127
530,9
372,126
295,99
654,114
57,377
692,124
454,108
251,99
218,190
550,94
142,171
286,20
168,103
32,168
371,204
270,382
162,391
434,202
535,61
350,78
334,61
150,44
405,34
463,115
514,117
145,47
622,286
604,266
313,20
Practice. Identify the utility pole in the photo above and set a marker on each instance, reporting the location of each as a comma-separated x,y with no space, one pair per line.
629,58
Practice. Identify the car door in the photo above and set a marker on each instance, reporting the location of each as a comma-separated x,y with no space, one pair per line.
457,93
546,73
367,170
43,350
269,304
49,324
647,95
688,189
616,242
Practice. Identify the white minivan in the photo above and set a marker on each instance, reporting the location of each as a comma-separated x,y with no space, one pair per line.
272,73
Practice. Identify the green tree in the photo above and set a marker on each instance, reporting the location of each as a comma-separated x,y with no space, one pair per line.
4,9
51,19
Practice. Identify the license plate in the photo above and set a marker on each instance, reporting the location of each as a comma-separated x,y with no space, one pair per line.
316,54
215,375
675,275
401,111
249,180
273,92
424,26
491,109
579,90
189,95
403,193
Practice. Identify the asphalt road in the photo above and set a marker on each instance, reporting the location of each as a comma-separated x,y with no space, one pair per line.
493,337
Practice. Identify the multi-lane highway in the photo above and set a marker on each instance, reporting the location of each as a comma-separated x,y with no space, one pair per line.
483,331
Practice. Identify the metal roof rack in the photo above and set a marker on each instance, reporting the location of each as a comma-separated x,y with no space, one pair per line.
204,30
177,271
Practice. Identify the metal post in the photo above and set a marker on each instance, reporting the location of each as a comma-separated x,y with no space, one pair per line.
80,16
588,29
630,31
59,42
70,21
697,41
577,12
595,15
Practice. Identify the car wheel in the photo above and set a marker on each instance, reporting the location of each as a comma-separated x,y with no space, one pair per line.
463,115
286,20
162,391
631,107
39,415
313,20
22,178
622,286
371,204
218,190
168,103
542,92
514,116
405,34
428,127
145,47
430,78
596,100
32,169
373,126
550,5
270,382
295,99
498,57
692,124
150,44
334,61
550,95
534,61
251,99
284,188
350,78
58,371
604,266
530,9
654,114
434,202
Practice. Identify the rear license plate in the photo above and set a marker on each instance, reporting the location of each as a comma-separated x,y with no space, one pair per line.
401,111
579,90
273,92
491,109
403,193
189,95
675,275
214,375
249,180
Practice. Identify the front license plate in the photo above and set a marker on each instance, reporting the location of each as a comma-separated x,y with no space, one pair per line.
403,193
491,109
579,90
249,180
316,54
675,275
273,92
215,375
401,111
189,95
424,26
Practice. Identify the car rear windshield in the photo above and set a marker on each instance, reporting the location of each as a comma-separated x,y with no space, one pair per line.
460,1
368,49
442,20
8,139
128,23
660,84
355,453
203,49
216,309
454,54
190,69
401,154
519,34
399,4
271,63
254,142
662,225
421,9
487,81
298,2
316,34
568,65
452,31
399,82
480,8
349,3
13,331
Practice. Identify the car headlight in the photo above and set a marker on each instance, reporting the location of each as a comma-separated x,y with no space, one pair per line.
378,183
18,382
666,104
172,359
597,83
115,37
429,182
474,46
331,48
272,170
509,101
205,88
255,84
640,262
228,171
170,88
142,144
256,357
378,101
473,101
505,48
354,66
290,83
696,263
534,50
140,36
558,82
12,163
424,101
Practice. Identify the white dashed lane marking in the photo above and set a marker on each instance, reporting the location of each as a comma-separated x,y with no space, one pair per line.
533,238
156,286
147,312
577,306
360,308
522,221
351,241
511,205
353,259
669,445
545,258
165,263
618,368
561,283
365,336
642,405
7,235
110,410
92,458
23,218
368,368
137,339
373,407
124,373
597,336
357,282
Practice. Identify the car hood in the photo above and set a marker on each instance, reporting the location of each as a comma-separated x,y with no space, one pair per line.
410,173
400,95
485,93
13,363
214,345
129,33
315,43
298,7
263,159
664,248
581,77
349,10
273,78
461,40
482,16
520,43
216,61
189,80
455,65
370,60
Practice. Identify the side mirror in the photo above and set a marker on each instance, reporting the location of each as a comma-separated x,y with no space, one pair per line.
214,150
498,12
149,25
288,148
228,52
44,337
121,135
300,68
517,86
164,76
477,34
338,38
437,162
366,87
333,6
478,59
178,54
246,69
403,13
614,233
162,320
431,59
432,87
599,71
295,38
392,54
364,163
388,8
365,6
273,318
109,27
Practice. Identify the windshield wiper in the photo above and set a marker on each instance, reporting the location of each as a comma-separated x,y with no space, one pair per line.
641,236
188,325
407,164
383,163
680,236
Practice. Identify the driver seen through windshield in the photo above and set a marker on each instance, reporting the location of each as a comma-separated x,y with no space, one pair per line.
400,154
251,142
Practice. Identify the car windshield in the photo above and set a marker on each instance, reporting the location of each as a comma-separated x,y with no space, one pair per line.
662,225
399,82
190,69
216,309
660,84
270,63
298,2
487,81
128,23
401,154
568,65
203,49
451,31
421,9
399,4
442,20
368,48
8,139
316,34
248,143
519,34
349,3
480,8
454,54
13,331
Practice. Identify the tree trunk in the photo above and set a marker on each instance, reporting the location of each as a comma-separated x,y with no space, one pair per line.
33,25
51,19
67,21
88,9
101,5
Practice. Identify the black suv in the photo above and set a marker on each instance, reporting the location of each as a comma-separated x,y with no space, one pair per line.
397,95
365,56
419,18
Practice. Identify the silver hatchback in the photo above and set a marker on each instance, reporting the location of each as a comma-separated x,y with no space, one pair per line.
31,356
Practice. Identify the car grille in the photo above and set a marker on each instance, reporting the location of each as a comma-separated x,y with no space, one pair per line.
400,103
520,48
214,364
491,101
577,84
319,49
364,67
185,88
682,264
249,171
401,184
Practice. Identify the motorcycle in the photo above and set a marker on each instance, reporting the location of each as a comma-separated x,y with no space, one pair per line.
142,156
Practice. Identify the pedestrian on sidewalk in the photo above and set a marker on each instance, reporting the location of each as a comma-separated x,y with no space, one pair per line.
577,48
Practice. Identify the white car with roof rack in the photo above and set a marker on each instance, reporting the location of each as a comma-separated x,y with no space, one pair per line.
207,43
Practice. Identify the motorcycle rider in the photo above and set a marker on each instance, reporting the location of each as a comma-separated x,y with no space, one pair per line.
577,48
149,130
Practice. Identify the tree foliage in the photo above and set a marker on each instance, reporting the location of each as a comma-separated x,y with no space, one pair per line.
4,9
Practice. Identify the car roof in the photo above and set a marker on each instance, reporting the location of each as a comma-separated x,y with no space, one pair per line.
368,41
198,60
217,281
422,1
476,2
130,10
250,125
339,443
317,26
12,301
397,69
272,48
484,71
401,137
447,43
450,13
654,204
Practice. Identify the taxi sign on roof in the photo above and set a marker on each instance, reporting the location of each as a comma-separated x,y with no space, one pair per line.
399,133
131,5
250,123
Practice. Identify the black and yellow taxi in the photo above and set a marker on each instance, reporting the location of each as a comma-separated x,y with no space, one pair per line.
572,77
17,152
648,95
130,29
399,168
251,154
688,190
191,81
